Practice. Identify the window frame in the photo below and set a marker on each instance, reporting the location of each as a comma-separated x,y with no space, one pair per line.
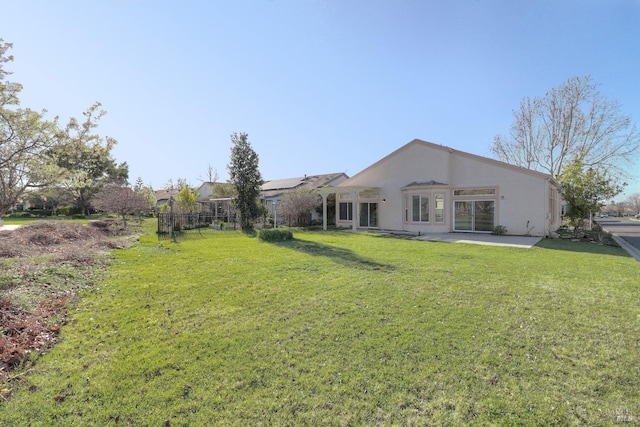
348,206
422,216
436,196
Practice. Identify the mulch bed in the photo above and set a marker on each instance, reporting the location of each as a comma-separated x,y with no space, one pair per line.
33,307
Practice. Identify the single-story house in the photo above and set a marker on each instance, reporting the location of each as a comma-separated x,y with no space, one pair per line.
428,188
163,196
273,192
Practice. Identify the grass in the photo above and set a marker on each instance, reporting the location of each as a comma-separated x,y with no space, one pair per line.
30,220
336,328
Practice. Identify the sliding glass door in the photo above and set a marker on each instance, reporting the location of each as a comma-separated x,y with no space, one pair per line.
369,215
478,215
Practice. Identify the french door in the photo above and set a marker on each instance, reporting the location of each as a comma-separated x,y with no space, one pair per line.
369,215
477,215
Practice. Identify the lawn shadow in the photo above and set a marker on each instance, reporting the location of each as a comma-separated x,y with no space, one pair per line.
582,246
338,255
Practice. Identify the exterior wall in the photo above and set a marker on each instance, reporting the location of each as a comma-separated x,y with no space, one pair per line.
337,181
433,225
412,163
205,191
523,199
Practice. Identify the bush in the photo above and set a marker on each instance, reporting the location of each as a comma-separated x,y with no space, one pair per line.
499,230
275,235
40,212
21,214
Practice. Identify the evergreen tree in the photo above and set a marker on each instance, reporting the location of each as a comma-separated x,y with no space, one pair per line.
245,178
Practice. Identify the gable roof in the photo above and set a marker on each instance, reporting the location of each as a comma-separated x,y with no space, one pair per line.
450,150
165,194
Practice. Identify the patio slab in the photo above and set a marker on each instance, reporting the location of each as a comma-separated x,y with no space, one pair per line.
482,239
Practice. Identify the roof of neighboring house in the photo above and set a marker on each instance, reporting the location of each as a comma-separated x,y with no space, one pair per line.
165,194
309,182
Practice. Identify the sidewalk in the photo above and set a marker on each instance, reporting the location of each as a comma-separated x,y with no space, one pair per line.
8,227
631,250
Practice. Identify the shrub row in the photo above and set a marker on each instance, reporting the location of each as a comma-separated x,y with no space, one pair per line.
275,235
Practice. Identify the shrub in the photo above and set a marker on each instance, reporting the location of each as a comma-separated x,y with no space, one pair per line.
64,210
499,230
275,235
21,214
40,212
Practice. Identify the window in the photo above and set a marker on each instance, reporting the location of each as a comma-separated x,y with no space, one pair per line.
474,191
346,211
368,195
368,215
439,208
553,206
476,215
420,208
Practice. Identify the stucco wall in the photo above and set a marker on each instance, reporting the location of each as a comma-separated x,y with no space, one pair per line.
522,198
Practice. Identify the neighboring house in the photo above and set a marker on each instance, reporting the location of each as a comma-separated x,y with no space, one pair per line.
428,188
205,191
163,196
220,207
273,192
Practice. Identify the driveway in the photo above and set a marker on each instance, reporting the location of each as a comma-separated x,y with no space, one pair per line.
626,232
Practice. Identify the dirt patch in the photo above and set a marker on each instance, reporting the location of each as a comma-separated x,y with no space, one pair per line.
43,267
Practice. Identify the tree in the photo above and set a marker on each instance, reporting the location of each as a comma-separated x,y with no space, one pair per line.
584,189
571,121
245,178
25,140
297,206
146,192
178,185
119,199
633,201
187,200
212,175
86,159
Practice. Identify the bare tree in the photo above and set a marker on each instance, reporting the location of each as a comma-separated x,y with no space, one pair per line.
571,121
212,175
633,201
120,200
298,205
178,185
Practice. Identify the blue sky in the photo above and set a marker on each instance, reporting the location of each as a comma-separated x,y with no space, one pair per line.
320,86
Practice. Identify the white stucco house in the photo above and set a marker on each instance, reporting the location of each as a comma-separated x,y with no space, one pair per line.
428,188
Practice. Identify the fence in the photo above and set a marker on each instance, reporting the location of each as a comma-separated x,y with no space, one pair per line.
170,224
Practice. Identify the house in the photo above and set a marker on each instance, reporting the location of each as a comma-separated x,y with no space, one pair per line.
163,196
273,192
428,188
216,198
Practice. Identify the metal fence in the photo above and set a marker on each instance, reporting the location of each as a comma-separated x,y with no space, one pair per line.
171,224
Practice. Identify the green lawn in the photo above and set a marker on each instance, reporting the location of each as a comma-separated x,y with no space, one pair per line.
30,220
337,328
